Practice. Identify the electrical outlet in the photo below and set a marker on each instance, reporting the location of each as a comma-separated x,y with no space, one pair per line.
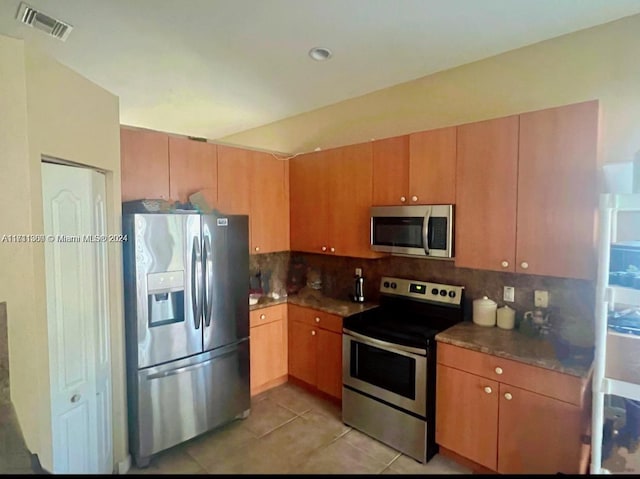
541,299
358,271
509,294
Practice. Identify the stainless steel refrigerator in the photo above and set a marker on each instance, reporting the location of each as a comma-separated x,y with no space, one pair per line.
187,326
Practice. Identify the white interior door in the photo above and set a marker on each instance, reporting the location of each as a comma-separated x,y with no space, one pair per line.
77,316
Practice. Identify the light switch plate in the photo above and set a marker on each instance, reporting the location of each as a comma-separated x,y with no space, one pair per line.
509,294
541,299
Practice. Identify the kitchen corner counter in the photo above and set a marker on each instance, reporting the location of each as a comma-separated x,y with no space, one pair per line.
512,344
316,301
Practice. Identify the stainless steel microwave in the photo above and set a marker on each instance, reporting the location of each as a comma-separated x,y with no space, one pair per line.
420,230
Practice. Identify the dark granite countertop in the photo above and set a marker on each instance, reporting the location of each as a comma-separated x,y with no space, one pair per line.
512,344
317,301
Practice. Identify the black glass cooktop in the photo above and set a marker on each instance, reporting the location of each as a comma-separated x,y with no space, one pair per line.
408,323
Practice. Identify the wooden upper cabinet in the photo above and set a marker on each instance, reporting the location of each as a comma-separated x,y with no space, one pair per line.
486,194
144,157
193,166
309,213
432,167
234,196
351,177
269,203
391,171
557,191
415,169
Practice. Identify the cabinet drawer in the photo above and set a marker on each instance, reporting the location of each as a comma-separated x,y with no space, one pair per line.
267,315
542,381
313,317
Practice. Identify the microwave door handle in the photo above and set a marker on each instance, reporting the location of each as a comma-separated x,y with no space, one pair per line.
425,230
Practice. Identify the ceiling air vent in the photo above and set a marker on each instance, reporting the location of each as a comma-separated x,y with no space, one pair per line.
32,17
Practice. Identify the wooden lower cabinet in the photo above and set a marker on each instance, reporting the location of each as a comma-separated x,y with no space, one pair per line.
268,347
467,415
315,349
505,428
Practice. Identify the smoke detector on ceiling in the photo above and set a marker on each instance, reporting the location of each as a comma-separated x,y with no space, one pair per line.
34,18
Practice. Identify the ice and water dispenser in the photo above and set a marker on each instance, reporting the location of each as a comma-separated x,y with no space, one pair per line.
165,296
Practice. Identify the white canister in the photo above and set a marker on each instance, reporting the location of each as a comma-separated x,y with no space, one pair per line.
484,312
506,317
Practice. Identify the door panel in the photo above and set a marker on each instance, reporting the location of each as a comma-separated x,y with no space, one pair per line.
143,151
77,318
166,272
302,351
432,167
234,195
226,320
486,194
557,191
193,166
538,435
467,415
391,171
329,362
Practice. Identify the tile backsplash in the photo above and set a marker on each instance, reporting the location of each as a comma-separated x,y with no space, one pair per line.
269,271
571,301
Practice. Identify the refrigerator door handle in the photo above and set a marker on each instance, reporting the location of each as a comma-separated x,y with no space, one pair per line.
196,288
208,282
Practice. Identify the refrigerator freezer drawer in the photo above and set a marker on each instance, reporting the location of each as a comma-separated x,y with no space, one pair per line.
182,399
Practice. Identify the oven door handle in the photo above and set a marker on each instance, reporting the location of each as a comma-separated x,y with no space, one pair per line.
384,344
425,229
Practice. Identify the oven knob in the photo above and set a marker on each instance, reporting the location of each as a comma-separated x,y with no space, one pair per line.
434,291
394,285
452,294
443,292
386,284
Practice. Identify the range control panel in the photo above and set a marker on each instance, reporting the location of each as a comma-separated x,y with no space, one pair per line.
421,290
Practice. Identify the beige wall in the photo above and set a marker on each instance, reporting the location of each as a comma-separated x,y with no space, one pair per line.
52,111
598,63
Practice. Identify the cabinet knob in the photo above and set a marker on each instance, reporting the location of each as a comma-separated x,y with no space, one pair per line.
508,396
317,319
498,370
402,199
504,264
324,248
313,333
333,250
524,265
75,398
488,390
263,316
414,198
257,248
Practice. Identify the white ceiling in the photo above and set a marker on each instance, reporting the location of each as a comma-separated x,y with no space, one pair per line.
211,68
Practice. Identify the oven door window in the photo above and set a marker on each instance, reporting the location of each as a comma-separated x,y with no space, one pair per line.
384,369
398,231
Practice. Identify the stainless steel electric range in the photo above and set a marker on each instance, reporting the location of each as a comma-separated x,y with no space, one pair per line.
389,363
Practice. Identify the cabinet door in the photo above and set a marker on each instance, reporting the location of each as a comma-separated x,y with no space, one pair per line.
193,166
538,435
144,157
391,171
233,180
486,194
268,353
302,351
329,362
557,191
432,167
269,204
351,184
467,415
309,213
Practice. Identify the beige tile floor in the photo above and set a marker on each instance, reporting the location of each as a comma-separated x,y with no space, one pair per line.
290,431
